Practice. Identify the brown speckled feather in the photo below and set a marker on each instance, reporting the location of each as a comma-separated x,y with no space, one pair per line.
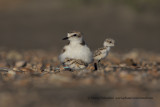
98,51
80,62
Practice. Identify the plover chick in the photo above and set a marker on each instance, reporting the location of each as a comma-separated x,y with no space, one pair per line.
75,64
101,53
76,48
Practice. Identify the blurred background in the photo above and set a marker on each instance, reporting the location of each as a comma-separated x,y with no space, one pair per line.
41,24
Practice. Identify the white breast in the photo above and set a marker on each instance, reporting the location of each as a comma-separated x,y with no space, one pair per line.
77,51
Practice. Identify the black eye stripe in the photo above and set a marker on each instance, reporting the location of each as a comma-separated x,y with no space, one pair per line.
75,35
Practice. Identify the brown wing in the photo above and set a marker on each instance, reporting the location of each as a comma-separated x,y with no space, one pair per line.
80,62
97,52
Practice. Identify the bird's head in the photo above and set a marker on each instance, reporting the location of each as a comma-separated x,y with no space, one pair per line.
74,36
109,42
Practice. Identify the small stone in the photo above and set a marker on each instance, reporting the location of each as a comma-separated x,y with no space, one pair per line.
108,69
90,67
122,65
15,69
133,54
11,73
130,62
123,74
62,78
14,55
21,64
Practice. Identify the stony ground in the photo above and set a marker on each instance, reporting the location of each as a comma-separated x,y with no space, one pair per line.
30,79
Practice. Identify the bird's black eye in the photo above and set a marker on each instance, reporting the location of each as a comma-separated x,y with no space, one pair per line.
75,35
110,42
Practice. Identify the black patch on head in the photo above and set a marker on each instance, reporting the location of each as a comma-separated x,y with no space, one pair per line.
83,43
75,35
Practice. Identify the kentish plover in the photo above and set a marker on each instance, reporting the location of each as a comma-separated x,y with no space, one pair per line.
101,53
76,48
75,64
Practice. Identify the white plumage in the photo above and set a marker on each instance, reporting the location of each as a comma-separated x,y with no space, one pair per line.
76,49
103,52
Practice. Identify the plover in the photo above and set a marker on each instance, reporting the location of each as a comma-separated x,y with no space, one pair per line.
76,48
75,64
101,53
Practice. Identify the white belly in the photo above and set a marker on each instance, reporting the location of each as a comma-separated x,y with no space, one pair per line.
77,52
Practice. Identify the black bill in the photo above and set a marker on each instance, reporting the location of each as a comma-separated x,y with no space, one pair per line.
65,38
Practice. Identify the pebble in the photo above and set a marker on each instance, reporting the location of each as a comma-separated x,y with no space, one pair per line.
21,64
11,74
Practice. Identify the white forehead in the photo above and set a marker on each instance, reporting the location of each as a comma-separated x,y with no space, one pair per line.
70,34
108,40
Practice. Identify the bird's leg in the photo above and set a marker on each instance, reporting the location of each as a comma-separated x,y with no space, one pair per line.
99,64
95,66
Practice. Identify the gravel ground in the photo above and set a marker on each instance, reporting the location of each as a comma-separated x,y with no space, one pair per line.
30,79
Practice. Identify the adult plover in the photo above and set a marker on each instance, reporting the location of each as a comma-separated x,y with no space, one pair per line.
75,64
101,53
76,48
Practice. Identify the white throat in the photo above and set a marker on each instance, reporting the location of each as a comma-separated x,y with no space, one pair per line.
75,41
108,48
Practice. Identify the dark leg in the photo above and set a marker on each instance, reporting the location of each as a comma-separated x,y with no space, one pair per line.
95,66
99,64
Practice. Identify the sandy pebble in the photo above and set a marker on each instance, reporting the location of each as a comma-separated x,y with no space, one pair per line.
21,64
